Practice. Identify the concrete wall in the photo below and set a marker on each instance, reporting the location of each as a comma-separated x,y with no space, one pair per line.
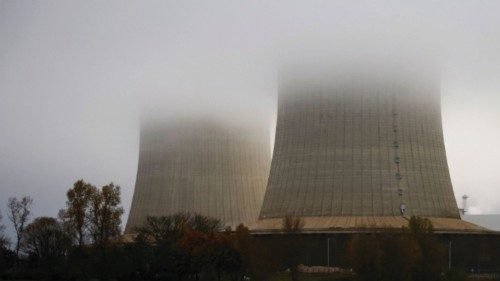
341,142
203,167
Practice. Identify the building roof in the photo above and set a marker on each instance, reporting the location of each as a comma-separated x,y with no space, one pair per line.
489,221
366,224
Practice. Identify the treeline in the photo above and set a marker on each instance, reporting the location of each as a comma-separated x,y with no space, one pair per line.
195,247
58,248
85,242
415,254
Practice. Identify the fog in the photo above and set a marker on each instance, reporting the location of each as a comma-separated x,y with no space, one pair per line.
76,77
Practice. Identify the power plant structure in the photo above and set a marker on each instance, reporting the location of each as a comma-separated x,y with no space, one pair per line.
353,150
356,152
359,150
218,169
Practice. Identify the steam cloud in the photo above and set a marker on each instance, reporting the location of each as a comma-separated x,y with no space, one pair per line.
77,77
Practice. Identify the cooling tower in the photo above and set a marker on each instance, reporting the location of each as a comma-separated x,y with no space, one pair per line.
359,145
199,166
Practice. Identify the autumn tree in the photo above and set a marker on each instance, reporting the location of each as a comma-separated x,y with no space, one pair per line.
186,245
75,216
292,243
105,215
401,257
258,262
223,256
364,253
192,255
413,254
388,256
433,261
18,213
208,253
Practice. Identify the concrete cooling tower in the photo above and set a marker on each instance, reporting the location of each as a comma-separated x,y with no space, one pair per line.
355,145
200,166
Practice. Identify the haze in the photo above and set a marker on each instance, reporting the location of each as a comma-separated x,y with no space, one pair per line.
76,77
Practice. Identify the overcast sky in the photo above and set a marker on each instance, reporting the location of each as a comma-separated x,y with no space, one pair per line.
76,76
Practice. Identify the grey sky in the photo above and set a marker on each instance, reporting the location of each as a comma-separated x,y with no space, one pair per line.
75,77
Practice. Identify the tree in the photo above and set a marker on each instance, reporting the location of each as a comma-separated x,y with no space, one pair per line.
46,239
411,255
293,244
210,254
171,228
18,213
204,224
192,255
388,256
257,260
3,239
76,213
156,243
47,245
223,256
292,224
401,256
163,228
4,242
186,245
365,256
105,215
433,261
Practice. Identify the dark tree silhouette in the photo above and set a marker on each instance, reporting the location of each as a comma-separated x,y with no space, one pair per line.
258,261
292,243
411,255
18,213
46,239
4,242
433,261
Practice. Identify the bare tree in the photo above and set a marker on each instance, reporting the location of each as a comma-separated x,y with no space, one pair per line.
292,224
171,228
18,213
3,239
75,215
